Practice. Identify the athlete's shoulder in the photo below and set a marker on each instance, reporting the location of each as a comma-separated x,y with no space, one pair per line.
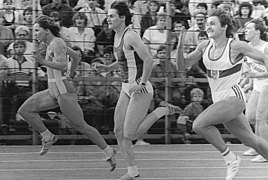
131,34
203,45
57,42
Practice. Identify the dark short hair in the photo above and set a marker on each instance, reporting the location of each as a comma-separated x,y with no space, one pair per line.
161,48
19,42
245,4
48,23
202,5
27,9
123,10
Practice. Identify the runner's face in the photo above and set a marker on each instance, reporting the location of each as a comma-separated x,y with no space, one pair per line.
213,27
113,19
39,33
250,31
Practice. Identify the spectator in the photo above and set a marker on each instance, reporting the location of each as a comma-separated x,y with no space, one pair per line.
190,112
258,9
202,7
10,15
156,35
65,11
161,71
177,15
95,15
194,3
6,36
27,18
149,19
105,37
191,36
64,31
243,16
83,36
17,90
23,4
23,33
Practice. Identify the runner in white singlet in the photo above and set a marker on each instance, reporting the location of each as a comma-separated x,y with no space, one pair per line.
135,63
256,110
222,57
60,92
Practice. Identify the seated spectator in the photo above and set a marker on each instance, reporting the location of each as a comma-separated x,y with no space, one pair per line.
83,36
156,35
105,38
27,18
161,71
65,11
6,36
23,33
22,5
149,19
191,36
64,31
190,112
95,15
10,16
16,91
243,16
258,9
182,15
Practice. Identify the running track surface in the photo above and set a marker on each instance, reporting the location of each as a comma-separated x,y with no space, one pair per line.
156,162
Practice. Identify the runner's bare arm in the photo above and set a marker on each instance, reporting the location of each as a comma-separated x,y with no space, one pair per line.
59,56
191,58
251,52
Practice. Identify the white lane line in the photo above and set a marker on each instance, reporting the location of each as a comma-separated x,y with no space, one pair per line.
141,168
185,178
136,152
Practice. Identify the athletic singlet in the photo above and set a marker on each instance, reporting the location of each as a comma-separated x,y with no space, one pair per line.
222,73
131,65
57,82
258,67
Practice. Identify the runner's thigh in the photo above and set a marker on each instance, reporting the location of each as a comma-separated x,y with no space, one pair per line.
40,101
136,111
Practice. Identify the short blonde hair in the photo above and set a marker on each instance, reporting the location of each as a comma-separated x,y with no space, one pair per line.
22,28
197,91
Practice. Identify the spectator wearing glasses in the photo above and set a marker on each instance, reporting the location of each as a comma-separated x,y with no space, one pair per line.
23,33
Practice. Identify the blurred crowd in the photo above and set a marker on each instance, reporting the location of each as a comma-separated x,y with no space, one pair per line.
84,27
